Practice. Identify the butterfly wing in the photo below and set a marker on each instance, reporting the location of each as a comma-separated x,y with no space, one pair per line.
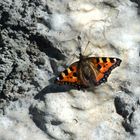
70,76
102,67
89,70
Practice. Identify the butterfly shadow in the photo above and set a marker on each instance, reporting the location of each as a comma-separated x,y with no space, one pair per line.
52,88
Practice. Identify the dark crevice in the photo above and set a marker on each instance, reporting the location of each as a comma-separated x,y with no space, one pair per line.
47,9
138,2
128,128
35,83
14,28
2,62
120,108
47,47
11,73
45,22
124,89
36,2
54,122
109,4
38,119
77,108
4,19
2,94
19,28
68,133
130,117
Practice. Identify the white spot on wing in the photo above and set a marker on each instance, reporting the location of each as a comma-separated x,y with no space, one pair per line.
114,59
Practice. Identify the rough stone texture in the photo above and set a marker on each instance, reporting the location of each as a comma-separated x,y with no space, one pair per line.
64,117
37,39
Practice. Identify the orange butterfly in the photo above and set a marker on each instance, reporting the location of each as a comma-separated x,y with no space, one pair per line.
88,71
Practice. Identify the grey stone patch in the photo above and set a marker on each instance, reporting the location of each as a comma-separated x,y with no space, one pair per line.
128,106
21,55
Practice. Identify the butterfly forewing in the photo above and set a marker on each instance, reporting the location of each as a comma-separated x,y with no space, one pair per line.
69,76
104,65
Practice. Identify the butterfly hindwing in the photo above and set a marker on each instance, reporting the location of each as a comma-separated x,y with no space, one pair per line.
104,65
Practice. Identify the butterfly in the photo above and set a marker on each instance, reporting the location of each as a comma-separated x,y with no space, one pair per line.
88,71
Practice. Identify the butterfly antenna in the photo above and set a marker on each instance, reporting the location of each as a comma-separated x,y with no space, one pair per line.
86,47
79,44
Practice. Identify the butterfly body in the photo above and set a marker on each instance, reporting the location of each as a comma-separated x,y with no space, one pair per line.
88,71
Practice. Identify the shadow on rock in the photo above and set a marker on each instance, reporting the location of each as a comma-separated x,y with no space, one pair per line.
53,88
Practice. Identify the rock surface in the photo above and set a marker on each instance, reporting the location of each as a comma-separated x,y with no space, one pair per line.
39,38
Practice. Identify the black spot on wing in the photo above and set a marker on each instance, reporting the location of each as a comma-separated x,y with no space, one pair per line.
112,60
71,68
66,72
117,63
60,77
99,66
75,74
104,59
97,59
